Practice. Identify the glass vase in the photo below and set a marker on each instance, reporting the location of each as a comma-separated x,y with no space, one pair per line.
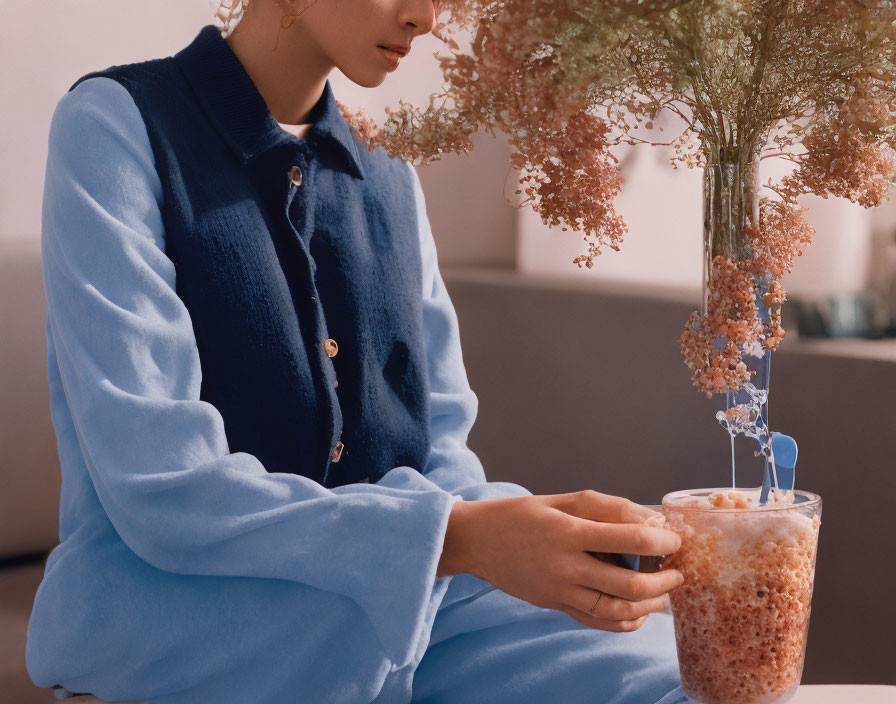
730,220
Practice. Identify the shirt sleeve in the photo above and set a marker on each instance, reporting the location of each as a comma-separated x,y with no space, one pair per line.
157,455
453,405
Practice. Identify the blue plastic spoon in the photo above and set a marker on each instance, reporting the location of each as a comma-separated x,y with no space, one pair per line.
785,451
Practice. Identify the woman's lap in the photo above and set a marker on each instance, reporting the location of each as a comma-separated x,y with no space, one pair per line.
493,648
175,639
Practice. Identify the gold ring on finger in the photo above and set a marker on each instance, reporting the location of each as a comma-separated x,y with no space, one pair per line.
594,606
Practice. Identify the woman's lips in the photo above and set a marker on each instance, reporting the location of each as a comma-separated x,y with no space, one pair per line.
391,57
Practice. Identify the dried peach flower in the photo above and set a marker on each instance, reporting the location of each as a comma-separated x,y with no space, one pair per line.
812,81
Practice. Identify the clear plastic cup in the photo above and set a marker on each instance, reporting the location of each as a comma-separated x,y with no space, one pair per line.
742,614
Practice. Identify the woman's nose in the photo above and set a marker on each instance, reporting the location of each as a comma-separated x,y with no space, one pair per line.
419,15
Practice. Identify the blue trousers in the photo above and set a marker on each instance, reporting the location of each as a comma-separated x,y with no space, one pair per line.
493,648
180,639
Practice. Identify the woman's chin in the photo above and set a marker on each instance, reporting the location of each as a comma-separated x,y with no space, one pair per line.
370,77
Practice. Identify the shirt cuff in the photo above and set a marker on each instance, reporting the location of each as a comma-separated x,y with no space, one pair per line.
397,598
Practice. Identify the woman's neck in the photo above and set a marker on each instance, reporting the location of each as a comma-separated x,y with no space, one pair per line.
291,79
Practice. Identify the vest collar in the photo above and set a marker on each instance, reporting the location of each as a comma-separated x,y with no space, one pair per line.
239,112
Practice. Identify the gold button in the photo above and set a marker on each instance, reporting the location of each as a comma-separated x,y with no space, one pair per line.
295,175
331,347
337,452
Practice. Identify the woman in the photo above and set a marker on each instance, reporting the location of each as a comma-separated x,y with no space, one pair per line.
267,493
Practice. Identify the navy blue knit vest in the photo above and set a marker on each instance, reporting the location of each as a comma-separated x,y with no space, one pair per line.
299,262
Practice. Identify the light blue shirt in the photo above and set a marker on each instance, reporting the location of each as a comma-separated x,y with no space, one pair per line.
146,469
187,574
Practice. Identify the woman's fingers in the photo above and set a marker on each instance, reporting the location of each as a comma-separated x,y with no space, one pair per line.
588,571
594,506
600,624
612,608
635,538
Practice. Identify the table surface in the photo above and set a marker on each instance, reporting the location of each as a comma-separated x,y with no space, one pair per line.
845,694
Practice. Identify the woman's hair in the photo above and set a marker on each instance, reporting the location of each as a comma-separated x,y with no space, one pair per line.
228,14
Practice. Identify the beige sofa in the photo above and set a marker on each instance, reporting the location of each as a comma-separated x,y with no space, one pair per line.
579,387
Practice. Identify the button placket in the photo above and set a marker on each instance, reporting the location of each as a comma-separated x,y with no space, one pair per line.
297,176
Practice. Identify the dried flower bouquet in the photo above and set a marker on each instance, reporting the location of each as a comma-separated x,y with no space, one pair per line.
811,81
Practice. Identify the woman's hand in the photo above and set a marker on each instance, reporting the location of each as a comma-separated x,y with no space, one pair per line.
536,549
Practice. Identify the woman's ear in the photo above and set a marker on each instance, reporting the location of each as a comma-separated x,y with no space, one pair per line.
291,10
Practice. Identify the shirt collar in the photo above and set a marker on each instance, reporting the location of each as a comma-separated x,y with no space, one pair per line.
239,112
